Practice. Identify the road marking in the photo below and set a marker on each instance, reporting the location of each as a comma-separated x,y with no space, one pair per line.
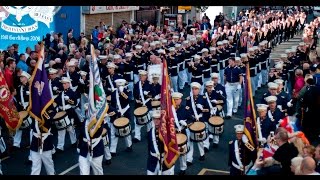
69,169
204,170
7,157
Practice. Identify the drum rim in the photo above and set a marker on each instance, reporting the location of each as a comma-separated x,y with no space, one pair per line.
215,125
197,130
184,142
157,105
118,127
140,115
54,119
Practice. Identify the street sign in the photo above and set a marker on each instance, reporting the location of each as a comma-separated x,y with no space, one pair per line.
183,9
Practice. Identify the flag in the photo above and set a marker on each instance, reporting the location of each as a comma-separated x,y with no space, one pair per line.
249,112
285,123
167,132
40,98
98,106
8,110
269,151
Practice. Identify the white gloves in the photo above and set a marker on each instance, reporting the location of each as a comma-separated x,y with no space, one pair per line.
55,88
121,88
157,97
279,106
78,150
81,81
238,86
183,123
27,92
66,98
220,92
146,92
214,101
262,140
289,104
200,106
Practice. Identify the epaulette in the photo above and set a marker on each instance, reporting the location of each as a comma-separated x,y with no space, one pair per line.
124,95
188,98
187,108
230,142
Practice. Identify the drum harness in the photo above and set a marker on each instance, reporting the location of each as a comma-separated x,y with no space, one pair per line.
92,143
111,84
121,110
197,116
24,104
213,110
2,144
42,136
142,95
176,118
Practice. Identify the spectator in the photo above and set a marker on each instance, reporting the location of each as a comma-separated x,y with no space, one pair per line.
27,53
308,166
9,72
299,82
309,150
16,51
95,34
296,165
317,158
22,63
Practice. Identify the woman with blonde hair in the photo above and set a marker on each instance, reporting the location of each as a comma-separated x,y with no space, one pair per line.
300,141
295,165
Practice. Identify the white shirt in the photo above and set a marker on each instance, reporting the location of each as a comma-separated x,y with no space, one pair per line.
314,173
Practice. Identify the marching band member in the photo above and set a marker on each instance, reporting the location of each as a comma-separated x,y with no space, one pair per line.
110,84
274,113
83,89
253,70
198,106
264,123
181,116
243,70
65,100
155,87
128,72
284,96
181,65
119,99
206,61
72,74
139,62
233,78
197,70
54,82
173,60
155,165
142,95
241,153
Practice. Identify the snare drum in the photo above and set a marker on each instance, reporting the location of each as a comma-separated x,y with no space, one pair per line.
219,107
198,131
26,119
182,143
155,105
61,120
142,115
122,126
215,125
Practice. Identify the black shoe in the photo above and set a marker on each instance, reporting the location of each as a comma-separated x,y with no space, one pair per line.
15,148
201,158
108,162
214,145
206,150
181,173
113,154
228,117
129,149
28,162
54,156
189,163
74,145
58,150
135,140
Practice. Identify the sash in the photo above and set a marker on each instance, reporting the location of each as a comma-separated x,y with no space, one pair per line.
110,82
22,98
236,151
141,94
122,111
71,87
42,136
3,146
176,120
270,115
63,103
88,137
259,128
50,87
197,116
155,146
213,110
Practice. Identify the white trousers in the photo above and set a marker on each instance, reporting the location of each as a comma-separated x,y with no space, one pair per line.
62,135
221,79
38,159
17,138
190,153
206,142
137,127
182,77
0,168
114,140
95,163
259,76
135,78
107,154
232,98
183,162
174,83
157,171
189,76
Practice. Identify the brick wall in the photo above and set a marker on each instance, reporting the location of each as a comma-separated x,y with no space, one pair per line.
92,20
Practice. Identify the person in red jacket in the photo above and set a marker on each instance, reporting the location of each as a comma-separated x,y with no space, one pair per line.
9,72
299,82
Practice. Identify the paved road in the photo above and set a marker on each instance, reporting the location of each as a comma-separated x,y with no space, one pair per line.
134,163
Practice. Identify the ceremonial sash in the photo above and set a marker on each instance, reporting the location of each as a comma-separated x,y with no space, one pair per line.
259,128
23,103
110,82
50,87
63,103
213,110
236,151
176,120
270,115
122,111
197,116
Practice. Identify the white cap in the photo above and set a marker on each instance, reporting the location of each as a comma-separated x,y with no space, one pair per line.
301,44
155,75
239,128
171,24
214,75
161,51
195,84
283,55
251,49
117,56
172,49
262,44
272,85
65,80
52,71
196,57
25,74
243,55
225,41
164,41
177,45
177,95
278,66
138,46
185,42
278,81
103,57
111,65
219,43
156,43
212,48
71,63
209,83
287,51
175,37
152,44
294,49
156,114
237,59
120,82
230,37
128,54
204,50
271,99
143,72
57,59
255,48
82,73
262,107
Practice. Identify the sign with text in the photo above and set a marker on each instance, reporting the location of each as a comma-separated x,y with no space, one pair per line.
25,25
183,9
111,9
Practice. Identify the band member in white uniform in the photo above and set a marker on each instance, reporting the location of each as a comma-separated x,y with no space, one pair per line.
65,100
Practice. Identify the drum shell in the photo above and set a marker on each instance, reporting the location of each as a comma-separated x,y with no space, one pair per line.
26,121
155,106
183,147
62,122
215,129
142,119
198,135
122,131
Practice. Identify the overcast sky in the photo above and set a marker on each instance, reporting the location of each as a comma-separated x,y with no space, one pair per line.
213,11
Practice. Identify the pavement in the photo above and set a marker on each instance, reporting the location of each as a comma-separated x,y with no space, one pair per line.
135,163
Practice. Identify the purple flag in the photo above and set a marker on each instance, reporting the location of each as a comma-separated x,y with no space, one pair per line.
249,112
40,96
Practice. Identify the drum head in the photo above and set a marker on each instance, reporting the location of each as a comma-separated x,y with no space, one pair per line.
219,107
181,138
54,104
23,114
216,120
120,122
59,115
155,103
196,126
140,111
